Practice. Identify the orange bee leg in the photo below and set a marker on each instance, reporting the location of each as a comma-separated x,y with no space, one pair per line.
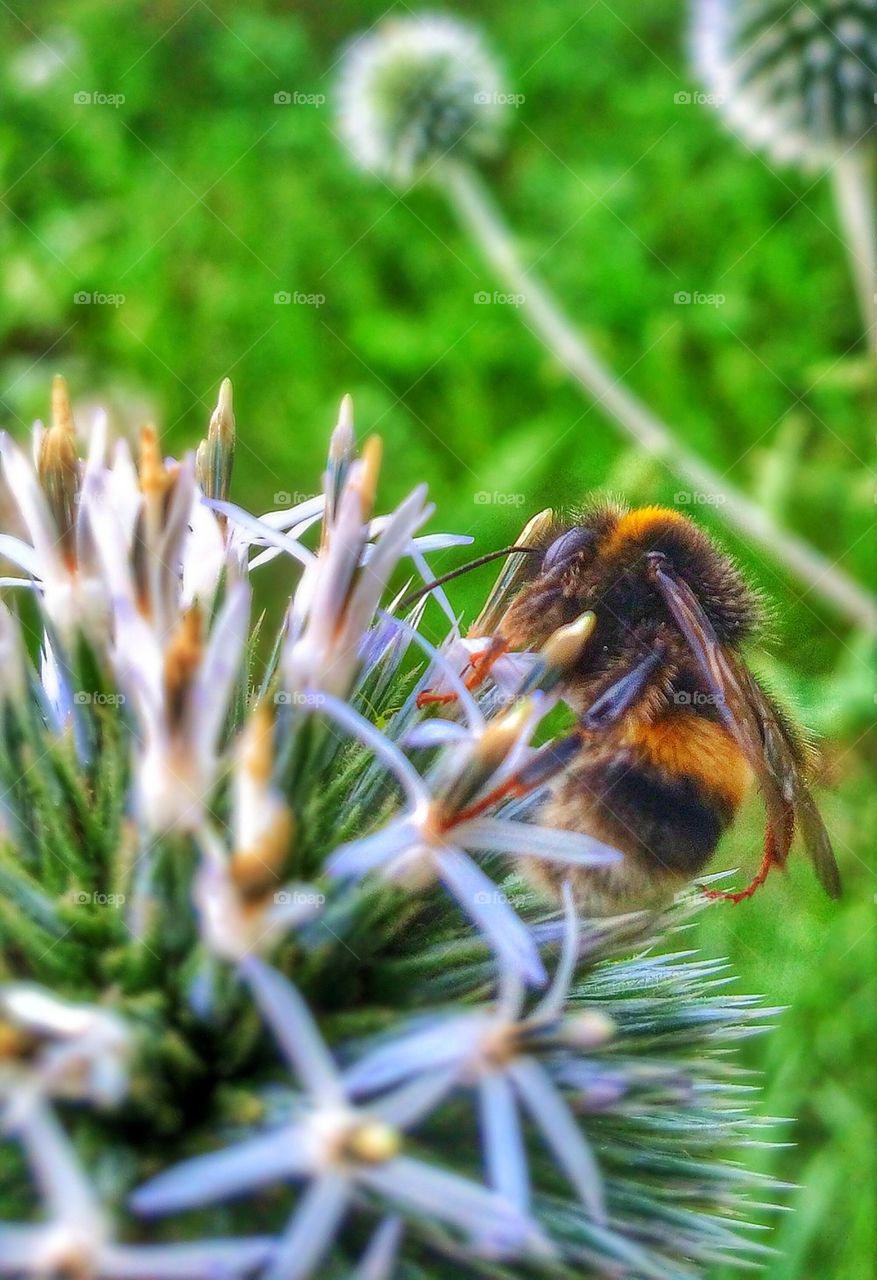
548,760
771,858
426,698
512,787
767,862
479,664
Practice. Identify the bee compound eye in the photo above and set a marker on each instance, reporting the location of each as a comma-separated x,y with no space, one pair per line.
566,546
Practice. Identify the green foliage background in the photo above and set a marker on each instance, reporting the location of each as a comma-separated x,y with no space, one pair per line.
198,199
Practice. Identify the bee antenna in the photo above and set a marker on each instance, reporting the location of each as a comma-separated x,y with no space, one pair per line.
413,596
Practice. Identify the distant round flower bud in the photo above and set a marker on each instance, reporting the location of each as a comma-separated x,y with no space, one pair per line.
798,80
415,90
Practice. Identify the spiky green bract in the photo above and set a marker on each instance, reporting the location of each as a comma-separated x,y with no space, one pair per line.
281,1004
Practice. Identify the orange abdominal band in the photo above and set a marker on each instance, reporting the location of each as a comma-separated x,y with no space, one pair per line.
684,744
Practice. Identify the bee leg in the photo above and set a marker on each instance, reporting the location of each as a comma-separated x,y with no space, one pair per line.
623,693
772,857
479,664
767,862
511,787
426,698
548,760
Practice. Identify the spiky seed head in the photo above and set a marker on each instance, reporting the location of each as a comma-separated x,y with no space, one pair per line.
796,80
416,90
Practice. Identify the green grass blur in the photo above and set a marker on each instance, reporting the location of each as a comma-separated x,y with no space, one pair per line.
199,199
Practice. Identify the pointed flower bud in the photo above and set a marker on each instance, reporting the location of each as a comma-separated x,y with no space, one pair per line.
341,448
214,460
263,824
58,469
563,649
367,482
182,661
513,574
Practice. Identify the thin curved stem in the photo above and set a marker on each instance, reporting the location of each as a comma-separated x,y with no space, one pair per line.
852,178
480,216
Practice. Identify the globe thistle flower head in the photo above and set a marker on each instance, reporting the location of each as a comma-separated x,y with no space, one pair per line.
277,959
796,80
415,90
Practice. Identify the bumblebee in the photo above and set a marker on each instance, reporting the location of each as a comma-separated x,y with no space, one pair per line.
673,726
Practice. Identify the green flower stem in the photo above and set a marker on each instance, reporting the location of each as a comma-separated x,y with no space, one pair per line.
482,219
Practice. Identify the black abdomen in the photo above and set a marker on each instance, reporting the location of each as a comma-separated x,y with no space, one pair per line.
668,821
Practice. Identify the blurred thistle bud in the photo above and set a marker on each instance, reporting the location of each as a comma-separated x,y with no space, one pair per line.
215,457
796,80
415,90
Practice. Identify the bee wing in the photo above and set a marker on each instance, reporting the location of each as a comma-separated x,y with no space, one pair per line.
783,760
759,730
